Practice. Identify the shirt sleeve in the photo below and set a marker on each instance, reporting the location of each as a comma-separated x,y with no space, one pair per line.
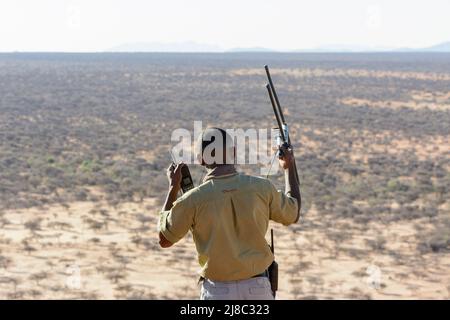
283,208
176,222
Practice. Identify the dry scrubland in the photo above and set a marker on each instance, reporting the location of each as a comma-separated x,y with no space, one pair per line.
83,148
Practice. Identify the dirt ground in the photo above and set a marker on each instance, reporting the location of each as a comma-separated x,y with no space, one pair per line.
90,250
93,250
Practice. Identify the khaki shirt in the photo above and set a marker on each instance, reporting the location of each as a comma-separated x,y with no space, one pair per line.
228,217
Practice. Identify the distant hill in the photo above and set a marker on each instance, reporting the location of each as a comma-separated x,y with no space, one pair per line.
251,49
441,47
191,46
345,48
166,47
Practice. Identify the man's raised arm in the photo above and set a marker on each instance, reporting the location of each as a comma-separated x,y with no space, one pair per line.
174,176
287,162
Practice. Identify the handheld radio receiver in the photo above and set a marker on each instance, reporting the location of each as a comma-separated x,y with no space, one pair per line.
186,179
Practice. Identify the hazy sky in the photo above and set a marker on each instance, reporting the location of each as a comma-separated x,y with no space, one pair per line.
96,25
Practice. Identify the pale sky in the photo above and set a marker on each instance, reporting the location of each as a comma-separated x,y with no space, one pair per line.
97,25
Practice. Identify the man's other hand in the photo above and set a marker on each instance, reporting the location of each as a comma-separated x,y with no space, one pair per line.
287,159
174,175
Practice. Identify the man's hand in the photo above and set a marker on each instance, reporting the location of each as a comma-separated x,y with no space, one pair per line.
174,175
287,159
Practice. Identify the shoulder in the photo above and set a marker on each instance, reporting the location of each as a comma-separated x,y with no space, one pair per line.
257,181
195,195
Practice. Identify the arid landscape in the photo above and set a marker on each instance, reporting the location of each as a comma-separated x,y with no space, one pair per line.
84,142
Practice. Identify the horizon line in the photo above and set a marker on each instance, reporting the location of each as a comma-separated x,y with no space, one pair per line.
234,52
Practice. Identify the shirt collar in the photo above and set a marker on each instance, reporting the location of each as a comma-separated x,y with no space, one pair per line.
220,171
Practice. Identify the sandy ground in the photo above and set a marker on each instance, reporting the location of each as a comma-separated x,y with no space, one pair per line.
92,251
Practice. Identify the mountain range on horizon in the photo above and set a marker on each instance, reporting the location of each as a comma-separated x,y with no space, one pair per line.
191,46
